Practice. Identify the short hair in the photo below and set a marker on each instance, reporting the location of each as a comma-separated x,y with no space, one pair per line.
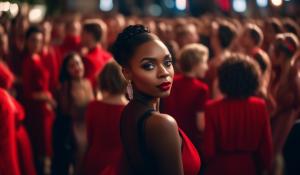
191,55
32,30
286,43
238,76
226,34
111,79
128,41
255,33
95,29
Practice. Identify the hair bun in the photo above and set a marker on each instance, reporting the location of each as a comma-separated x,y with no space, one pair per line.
132,31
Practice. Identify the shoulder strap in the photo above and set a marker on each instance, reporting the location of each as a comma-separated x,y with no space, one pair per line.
141,141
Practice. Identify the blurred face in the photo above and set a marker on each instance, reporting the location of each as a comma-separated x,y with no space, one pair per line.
151,69
76,67
86,38
201,68
35,43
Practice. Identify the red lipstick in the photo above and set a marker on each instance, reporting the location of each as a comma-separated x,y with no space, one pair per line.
165,86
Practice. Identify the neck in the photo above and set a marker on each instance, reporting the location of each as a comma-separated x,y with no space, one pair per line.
114,98
147,100
93,45
190,74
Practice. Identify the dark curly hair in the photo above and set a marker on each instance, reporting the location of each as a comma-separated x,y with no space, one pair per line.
128,41
238,76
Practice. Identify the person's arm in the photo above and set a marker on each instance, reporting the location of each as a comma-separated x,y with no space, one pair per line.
200,121
164,143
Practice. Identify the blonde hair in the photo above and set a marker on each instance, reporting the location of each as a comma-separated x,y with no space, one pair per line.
191,55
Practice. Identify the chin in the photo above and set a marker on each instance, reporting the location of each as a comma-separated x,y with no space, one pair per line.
164,94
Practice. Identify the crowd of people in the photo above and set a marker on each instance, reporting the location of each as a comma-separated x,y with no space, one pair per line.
109,95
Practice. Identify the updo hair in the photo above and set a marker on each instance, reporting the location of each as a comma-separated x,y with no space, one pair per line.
128,41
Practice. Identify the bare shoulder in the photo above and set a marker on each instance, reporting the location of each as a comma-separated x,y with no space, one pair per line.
162,122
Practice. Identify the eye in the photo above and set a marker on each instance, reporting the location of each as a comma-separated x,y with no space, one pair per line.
148,66
168,62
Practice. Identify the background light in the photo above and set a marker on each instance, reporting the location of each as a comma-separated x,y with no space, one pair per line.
169,4
14,9
262,3
106,5
4,6
276,2
181,4
239,5
155,10
37,13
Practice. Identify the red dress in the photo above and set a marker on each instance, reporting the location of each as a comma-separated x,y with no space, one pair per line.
9,164
51,62
25,155
94,62
237,137
103,133
188,96
40,116
6,76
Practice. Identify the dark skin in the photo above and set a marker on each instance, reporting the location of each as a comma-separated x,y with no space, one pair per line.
148,68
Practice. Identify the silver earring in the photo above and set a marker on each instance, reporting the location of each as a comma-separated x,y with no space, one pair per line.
129,90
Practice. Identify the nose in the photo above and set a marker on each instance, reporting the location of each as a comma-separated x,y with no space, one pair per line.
163,71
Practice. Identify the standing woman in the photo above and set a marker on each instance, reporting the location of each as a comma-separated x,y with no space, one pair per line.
103,121
152,141
237,128
24,151
38,100
75,94
285,89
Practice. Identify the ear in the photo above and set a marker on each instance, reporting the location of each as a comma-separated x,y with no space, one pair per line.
127,73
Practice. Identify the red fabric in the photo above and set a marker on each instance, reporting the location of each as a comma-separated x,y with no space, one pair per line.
40,117
50,61
70,44
190,157
8,146
6,77
188,96
103,132
94,62
237,137
25,155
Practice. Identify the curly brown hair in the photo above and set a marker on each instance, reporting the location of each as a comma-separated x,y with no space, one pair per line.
238,76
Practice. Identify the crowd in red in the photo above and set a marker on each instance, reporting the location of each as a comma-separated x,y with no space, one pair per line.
62,95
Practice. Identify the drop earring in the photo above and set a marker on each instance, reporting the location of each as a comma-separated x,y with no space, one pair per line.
129,90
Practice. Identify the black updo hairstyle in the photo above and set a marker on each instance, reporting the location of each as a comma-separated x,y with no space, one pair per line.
238,76
128,41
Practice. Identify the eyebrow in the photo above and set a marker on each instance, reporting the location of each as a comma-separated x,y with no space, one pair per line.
153,58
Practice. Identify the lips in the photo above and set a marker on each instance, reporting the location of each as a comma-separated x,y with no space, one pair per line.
165,86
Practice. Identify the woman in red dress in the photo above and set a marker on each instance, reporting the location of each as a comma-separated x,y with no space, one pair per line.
189,94
103,120
25,155
237,135
152,141
38,101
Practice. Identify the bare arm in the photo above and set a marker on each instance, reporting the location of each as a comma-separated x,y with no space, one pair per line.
164,142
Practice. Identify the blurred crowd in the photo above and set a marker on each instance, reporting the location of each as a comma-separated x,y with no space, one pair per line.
61,93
